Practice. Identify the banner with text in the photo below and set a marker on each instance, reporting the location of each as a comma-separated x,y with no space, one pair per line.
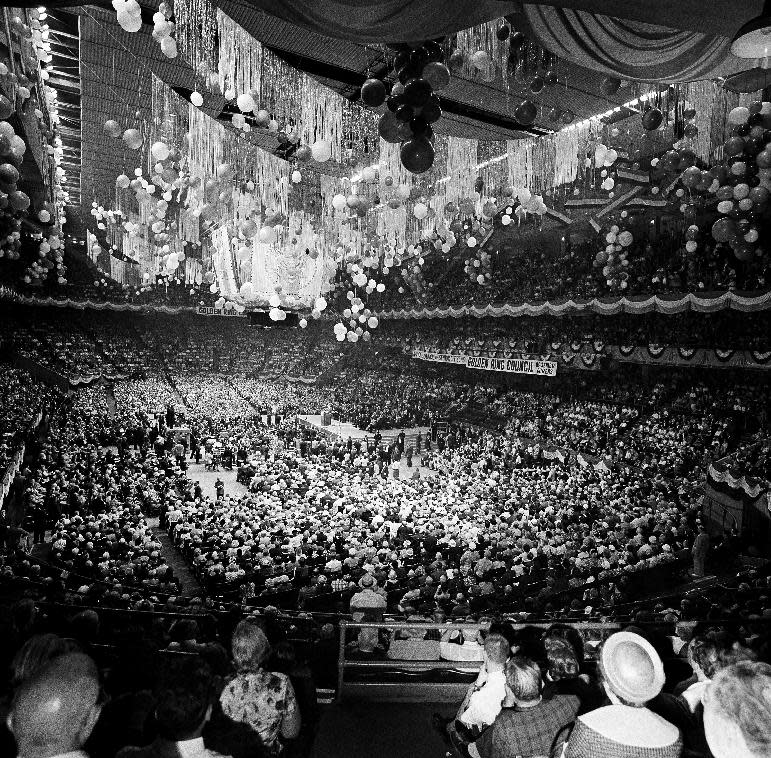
507,365
204,310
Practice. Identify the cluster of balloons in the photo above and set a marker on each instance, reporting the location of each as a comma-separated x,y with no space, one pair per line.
129,14
221,304
163,30
355,205
360,321
478,268
739,186
613,260
413,104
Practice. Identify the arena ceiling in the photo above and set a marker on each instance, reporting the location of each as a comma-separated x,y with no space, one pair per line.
115,75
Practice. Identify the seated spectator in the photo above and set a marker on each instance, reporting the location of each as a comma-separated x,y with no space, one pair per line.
54,712
483,700
632,674
184,698
262,699
737,711
527,725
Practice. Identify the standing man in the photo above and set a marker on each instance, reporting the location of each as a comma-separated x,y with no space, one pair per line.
700,549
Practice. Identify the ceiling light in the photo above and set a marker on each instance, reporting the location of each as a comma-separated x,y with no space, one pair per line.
753,40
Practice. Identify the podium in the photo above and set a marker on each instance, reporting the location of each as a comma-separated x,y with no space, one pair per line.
326,418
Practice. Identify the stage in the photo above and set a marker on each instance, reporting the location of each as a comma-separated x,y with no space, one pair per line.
343,430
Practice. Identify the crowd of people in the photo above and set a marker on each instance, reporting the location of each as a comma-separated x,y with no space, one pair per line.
579,498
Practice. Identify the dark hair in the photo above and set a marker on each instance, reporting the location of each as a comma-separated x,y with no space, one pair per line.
716,649
569,634
183,694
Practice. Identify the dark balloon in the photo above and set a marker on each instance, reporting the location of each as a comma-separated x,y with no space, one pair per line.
567,117
537,84
434,50
393,102
517,40
404,112
610,85
456,60
419,57
734,146
373,93
417,155
690,131
417,92
409,72
550,77
432,110
401,60
387,127
554,114
418,125
503,32
652,119
403,131
689,113
526,112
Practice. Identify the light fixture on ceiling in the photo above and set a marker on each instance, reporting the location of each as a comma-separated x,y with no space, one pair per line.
753,40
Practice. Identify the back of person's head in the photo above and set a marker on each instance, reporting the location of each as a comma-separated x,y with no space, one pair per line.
23,614
716,649
184,695
250,646
85,626
523,678
737,711
561,661
571,635
528,643
54,711
283,658
497,649
184,630
36,653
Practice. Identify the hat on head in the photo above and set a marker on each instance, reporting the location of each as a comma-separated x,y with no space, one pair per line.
367,581
631,668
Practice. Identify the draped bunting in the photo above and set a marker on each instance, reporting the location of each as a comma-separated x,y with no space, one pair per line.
704,303
682,356
721,473
378,20
630,49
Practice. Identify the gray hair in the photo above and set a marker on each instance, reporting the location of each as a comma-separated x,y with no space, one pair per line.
250,646
523,678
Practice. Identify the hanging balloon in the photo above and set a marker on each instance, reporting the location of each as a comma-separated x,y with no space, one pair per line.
652,119
132,138
416,93
437,75
112,128
417,155
526,112
160,151
18,200
6,107
691,131
321,151
420,211
387,127
303,153
739,115
373,93
610,85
